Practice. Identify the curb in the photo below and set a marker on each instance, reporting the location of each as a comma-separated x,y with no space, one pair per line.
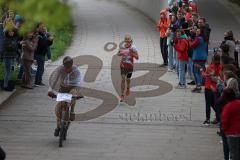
4,96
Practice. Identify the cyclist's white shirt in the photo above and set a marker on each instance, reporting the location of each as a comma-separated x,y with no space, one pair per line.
60,77
73,78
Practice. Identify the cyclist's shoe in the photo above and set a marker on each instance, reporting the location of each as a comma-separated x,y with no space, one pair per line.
121,98
56,132
72,116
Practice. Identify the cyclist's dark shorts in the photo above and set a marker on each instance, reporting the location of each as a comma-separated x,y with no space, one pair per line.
127,71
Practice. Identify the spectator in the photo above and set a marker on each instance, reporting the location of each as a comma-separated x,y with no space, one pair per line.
9,20
211,74
29,45
170,36
205,30
162,26
231,81
181,46
220,103
199,58
230,42
193,21
49,54
42,48
190,61
9,54
188,14
180,20
230,123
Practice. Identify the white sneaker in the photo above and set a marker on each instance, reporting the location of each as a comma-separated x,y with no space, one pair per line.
170,70
180,87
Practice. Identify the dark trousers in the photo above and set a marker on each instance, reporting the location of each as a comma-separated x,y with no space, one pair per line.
234,147
225,145
236,57
210,102
49,54
2,154
164,50
40,68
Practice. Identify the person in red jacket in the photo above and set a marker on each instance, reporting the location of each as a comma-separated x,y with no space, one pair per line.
211,74
181,47
230,120
162,27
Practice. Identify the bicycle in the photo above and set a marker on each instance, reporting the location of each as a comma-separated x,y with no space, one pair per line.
65,113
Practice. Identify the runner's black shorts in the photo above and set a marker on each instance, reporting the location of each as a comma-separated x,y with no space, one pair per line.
127,71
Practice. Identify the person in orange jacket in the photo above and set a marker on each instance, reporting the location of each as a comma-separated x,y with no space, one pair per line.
162,27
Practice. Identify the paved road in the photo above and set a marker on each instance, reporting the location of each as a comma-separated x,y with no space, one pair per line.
154,127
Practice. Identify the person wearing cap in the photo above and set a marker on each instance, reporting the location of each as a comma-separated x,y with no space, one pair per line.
66,79
128,52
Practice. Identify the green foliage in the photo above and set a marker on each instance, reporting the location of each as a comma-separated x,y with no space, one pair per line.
62,40
52,13
236,1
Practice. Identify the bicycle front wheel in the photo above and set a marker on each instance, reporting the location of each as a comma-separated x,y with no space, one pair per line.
61,135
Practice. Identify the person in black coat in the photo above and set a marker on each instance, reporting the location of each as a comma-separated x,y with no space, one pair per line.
9,54
43,44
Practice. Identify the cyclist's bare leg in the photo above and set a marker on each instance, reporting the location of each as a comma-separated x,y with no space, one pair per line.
128,86
74,91
123,84
58,112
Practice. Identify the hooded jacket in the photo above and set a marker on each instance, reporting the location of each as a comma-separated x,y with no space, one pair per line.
163,24
182,46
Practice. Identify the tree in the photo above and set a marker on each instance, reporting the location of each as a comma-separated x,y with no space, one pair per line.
53,13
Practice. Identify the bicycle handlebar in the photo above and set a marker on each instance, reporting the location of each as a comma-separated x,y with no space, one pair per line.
54,96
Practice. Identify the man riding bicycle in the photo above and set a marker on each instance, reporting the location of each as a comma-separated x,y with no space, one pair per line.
66,79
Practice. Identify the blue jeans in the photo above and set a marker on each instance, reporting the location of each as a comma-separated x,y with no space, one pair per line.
8,62
40,68
170,56
181,72
197,74
190,68
175,58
